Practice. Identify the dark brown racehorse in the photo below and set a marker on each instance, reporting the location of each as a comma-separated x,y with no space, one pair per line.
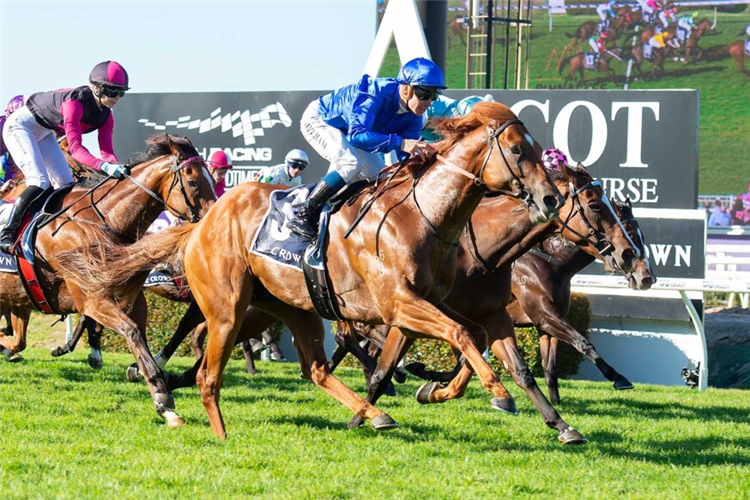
456,28
496,237
395,267
169,175
541,297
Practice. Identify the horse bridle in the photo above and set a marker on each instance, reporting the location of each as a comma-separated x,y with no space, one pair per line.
177,178
639,234
493,137
602,245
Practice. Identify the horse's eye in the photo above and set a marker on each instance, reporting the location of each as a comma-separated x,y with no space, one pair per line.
192,184
515,149
595,206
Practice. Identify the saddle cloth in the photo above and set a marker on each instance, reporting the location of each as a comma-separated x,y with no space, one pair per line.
591,60
7,261
747,47
273,240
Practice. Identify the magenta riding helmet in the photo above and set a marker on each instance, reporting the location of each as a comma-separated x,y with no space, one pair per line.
13,105
111,74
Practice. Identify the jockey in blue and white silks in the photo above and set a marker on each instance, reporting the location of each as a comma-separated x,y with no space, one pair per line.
352,125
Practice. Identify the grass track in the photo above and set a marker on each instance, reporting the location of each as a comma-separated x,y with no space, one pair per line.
70,432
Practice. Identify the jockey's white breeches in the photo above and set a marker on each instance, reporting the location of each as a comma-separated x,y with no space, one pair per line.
331,143
35,150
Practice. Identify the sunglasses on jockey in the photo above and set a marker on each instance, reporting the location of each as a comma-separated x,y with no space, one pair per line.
426,94
111,91
299,165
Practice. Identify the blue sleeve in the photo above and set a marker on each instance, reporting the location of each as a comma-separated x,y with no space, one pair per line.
360,135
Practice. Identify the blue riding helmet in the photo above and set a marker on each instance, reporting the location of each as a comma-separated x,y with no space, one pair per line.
421,72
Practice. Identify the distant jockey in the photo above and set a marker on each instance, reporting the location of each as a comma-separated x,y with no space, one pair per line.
288,173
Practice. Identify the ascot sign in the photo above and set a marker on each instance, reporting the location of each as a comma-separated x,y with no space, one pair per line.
642,145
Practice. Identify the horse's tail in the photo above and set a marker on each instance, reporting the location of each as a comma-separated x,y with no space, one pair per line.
575,35
108,270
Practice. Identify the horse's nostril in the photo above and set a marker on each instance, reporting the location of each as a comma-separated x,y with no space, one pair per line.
647,281
628,256
551,202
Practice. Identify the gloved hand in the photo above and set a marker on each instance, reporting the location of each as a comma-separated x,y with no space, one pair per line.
113,170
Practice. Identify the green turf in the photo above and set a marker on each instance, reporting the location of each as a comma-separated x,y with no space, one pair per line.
71,432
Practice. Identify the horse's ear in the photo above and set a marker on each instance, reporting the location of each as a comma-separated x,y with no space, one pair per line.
172,146
565,171
628,202
581,167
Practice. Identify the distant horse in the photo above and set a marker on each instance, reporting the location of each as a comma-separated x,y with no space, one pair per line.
737,52
395,267
493,240
577,63
457,28
169,175
590,28
658,56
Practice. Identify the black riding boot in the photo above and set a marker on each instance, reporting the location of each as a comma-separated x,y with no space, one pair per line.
305,223
20,207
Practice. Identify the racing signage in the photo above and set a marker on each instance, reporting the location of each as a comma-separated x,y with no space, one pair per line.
642,145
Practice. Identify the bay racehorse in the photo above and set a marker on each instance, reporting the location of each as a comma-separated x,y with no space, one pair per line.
395,267
493,240
170,175
541,297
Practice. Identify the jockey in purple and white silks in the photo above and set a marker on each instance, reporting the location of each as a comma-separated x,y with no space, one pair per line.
30,138
351,125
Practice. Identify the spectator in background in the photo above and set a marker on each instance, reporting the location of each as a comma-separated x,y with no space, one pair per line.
719,215
219,165
737,213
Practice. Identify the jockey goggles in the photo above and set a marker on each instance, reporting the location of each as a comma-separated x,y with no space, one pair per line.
300,165
426,94
112,91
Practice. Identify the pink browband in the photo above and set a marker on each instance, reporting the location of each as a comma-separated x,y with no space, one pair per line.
189,161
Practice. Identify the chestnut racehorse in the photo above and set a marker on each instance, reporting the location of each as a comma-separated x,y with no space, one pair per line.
169,175
396,267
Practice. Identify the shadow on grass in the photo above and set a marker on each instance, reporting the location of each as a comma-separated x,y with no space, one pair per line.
626,408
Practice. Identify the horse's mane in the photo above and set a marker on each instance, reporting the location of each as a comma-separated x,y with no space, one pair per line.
158,145
483,114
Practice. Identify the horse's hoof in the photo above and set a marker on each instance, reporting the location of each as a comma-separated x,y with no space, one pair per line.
390,390
383,423
355,422
508,405
56,351
399,375
133,374
424,392
95,363
14,358
173,419
623,384
571,436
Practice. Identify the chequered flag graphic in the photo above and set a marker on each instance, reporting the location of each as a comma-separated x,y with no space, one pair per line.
245,124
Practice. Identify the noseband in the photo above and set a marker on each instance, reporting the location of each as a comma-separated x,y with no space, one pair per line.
602,245
177,178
